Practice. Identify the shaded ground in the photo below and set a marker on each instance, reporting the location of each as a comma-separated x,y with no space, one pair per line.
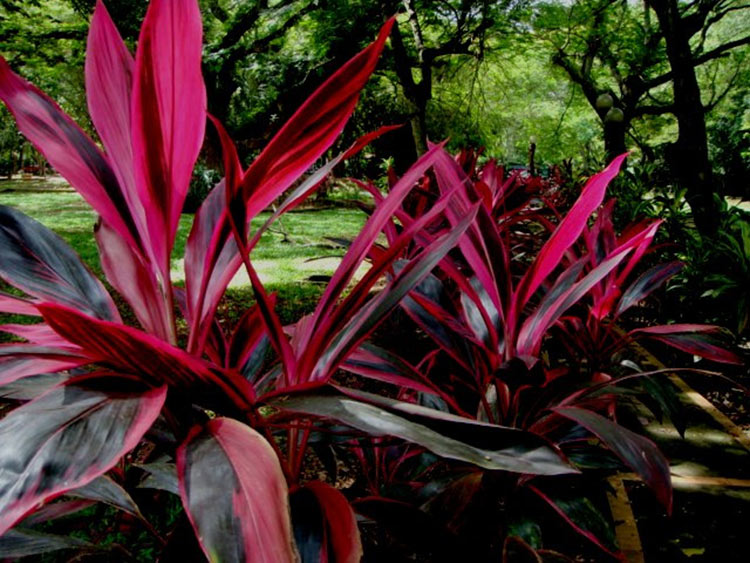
710,469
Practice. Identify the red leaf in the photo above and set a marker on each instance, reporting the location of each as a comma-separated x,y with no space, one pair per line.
343,543
549,311
235,495
365,240
68,149
131,351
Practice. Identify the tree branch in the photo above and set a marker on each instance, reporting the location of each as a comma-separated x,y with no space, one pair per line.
640,111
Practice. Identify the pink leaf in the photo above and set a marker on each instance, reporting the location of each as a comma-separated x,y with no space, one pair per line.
168,117
130,274
343,544
234,492
311,130
109,84
66,438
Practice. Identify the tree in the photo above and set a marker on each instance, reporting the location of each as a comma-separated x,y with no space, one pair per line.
622,60
679,23
440,30
44,41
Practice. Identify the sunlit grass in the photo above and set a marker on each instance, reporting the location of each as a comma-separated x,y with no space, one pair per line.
280,259
285,262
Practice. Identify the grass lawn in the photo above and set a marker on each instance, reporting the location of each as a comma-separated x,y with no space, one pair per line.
284,263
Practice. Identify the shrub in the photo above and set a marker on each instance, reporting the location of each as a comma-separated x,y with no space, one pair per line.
234,446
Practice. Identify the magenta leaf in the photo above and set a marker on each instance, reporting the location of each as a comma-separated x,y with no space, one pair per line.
109,85
211,256
568,231
16,306
235,494
68,437
311,130
130,274
367,318
550,310
37,261
168,117
249,342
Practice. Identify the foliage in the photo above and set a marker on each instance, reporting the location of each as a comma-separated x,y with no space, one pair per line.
138,188
494,359
203,180
715,280
226,415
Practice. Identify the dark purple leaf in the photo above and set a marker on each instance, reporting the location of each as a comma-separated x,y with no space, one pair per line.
580,513
647,283
637,452
23,543
37,261
68,437
503,448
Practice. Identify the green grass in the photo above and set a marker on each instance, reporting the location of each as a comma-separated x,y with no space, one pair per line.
280,260
284,263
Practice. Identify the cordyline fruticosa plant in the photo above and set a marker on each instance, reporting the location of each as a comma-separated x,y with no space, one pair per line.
491,316
237,450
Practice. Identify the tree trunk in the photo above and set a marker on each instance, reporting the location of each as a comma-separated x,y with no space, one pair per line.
688,158
419,127
614,139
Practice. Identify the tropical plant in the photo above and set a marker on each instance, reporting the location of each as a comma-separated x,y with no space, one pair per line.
235,430
490,311
595,337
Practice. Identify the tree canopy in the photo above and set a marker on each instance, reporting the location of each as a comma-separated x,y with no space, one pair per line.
583,80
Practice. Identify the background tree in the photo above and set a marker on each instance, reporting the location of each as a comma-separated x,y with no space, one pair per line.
623,58
45,41
438,31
